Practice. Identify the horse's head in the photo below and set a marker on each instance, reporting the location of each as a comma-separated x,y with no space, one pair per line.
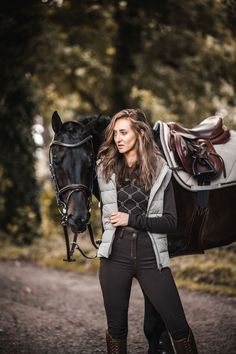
72,162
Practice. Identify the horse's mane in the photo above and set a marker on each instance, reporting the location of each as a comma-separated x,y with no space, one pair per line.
95,125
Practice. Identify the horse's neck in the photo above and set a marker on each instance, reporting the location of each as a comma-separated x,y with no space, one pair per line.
98,138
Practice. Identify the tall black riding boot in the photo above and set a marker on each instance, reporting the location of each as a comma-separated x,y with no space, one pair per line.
165,344
161,345
186,345
116,346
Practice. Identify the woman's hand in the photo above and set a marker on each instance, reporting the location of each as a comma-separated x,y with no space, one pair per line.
119,219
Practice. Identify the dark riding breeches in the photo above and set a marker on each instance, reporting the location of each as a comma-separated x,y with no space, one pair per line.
133,256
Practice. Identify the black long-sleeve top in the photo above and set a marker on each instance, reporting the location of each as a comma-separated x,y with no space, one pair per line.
133,199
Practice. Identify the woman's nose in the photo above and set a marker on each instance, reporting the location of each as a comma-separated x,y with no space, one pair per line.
118,138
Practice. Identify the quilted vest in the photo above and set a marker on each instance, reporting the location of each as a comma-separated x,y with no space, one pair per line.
108,195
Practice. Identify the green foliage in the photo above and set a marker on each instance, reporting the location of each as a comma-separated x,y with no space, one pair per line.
50,214
20,215
212,272
174,59
22,226
5,185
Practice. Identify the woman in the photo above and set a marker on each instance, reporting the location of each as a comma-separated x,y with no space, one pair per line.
138,210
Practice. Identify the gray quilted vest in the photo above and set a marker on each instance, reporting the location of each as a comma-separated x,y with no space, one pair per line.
108,195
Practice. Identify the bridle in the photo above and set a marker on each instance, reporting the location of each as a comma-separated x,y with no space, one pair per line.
63,205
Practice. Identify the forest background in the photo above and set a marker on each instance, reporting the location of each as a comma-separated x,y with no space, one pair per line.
174,59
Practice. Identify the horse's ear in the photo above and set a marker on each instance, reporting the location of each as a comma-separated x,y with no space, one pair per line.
56,122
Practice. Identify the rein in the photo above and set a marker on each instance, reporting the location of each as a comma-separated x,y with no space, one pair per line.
64,204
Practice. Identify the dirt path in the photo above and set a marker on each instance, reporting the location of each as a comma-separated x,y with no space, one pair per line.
48,311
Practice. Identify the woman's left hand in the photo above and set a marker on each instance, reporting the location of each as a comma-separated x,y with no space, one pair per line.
119,219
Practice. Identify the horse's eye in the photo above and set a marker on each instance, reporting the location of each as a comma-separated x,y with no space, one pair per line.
56,160
57,156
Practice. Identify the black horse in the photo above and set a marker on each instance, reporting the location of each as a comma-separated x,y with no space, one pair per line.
73,156
72,161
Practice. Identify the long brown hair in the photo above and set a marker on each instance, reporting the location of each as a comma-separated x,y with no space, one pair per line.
150,161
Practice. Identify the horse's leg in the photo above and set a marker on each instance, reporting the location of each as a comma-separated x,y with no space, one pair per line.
155,331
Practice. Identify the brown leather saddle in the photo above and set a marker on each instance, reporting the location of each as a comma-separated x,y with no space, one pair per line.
194,148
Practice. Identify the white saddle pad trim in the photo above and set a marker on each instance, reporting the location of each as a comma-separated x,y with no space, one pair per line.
227,151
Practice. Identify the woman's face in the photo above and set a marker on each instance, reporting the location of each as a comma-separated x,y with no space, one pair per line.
124,136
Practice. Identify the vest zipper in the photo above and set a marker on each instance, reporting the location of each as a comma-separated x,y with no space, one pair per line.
160,266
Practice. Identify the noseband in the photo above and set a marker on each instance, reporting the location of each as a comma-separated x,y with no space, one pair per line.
63,205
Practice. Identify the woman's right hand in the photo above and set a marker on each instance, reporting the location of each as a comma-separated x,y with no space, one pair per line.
119,219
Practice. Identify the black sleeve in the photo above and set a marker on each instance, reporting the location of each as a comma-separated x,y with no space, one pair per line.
162,224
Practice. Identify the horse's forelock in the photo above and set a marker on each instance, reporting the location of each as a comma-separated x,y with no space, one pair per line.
88,120
75,122
103,121
94,125
97,122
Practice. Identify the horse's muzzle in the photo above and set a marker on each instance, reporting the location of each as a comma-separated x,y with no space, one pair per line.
77,226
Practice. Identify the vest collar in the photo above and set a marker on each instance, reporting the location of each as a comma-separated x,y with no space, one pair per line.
157,183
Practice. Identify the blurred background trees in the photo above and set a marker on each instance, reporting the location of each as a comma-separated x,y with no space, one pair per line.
19,208
174,59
